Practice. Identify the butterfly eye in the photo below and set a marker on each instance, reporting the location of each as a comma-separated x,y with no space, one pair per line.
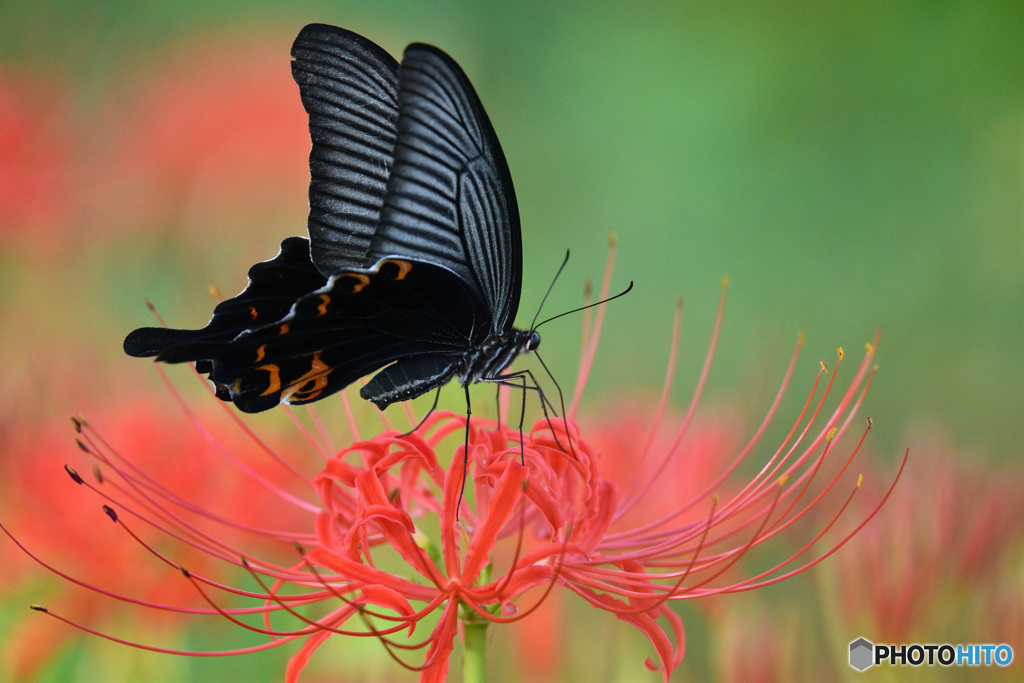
533,342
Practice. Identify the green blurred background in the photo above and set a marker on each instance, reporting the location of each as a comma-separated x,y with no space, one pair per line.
850,166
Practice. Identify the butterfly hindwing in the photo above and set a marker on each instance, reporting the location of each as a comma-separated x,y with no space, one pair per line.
358,322
273,288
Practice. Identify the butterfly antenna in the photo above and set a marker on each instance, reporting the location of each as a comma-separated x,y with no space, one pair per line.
583,308
533,324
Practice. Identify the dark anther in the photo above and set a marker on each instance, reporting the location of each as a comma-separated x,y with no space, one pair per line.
73,474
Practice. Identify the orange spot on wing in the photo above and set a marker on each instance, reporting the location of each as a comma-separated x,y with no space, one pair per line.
361,281
309,386
260,353
274,381
322,308
283,330
403,268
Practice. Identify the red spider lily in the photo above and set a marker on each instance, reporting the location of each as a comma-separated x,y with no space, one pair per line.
395,553
614,432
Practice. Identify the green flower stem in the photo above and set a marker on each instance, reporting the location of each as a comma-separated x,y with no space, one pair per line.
474,665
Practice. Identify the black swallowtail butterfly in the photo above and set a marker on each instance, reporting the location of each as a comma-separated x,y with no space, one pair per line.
414,258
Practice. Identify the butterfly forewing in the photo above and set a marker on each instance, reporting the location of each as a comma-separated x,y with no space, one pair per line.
349,88
450,198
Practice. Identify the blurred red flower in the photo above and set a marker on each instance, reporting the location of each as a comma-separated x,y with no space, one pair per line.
215,137
949,535
36,188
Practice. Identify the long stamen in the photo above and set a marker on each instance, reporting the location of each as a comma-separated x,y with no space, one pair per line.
587,359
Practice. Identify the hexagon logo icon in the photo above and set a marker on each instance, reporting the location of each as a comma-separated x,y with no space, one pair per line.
861,651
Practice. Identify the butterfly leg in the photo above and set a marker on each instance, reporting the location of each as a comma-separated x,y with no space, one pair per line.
430,412
561,402
497,404
519,380
465,452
